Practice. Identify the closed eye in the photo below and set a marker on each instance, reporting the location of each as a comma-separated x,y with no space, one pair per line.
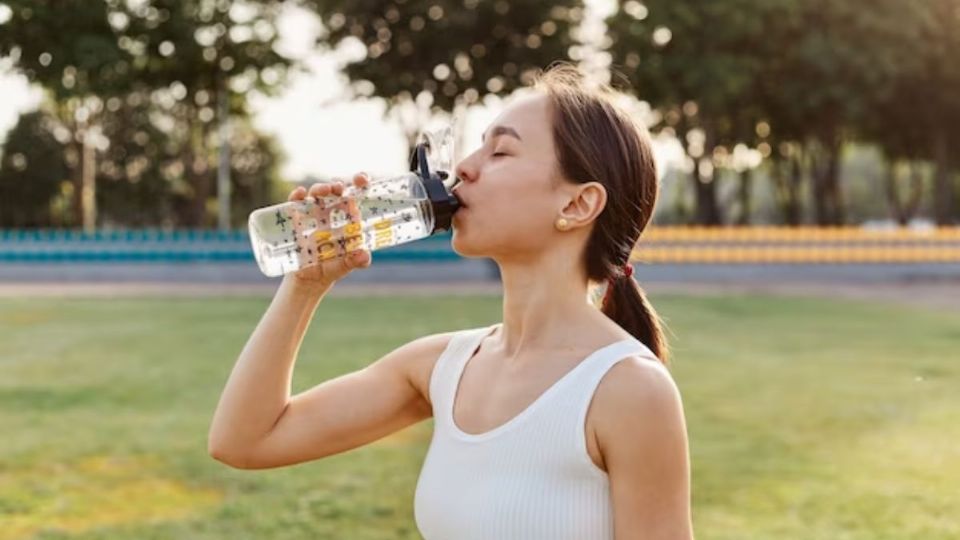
499,154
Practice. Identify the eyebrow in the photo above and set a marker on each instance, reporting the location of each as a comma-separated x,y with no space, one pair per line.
502,130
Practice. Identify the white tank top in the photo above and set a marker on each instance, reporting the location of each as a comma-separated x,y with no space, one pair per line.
528,479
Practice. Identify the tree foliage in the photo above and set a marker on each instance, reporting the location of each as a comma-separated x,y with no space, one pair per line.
166,70
448,53
797,79
31,171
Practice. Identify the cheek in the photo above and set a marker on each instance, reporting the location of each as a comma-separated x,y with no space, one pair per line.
521,218
526,205
505,230
517,216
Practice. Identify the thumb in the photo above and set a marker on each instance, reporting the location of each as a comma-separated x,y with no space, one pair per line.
358,259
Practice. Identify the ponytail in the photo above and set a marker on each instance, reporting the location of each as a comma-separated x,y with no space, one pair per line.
599,141
626,304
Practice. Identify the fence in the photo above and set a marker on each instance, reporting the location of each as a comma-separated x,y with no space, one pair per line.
666,245
804,245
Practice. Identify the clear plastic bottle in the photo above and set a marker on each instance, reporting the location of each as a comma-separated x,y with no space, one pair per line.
388,211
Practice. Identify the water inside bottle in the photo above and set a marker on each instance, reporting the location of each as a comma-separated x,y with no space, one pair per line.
294,235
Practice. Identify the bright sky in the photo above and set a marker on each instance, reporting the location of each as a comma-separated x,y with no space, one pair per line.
321,137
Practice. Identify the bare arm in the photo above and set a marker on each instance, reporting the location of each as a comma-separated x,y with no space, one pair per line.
257,424
258,389
643,440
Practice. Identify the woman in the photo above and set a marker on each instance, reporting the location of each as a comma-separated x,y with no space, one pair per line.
562,421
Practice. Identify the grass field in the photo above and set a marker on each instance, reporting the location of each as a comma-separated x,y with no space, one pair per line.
808,419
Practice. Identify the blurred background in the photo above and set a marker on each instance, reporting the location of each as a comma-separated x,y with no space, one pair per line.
805,252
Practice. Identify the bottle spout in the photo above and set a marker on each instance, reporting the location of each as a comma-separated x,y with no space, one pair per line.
438,185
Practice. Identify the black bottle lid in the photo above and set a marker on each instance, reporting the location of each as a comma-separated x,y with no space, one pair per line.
443,201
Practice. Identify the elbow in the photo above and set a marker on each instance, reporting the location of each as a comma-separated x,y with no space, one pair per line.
219,453
225,455
234,459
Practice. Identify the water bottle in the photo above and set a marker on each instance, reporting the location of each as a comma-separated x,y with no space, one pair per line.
389,211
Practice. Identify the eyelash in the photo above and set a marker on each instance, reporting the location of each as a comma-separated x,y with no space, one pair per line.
499,154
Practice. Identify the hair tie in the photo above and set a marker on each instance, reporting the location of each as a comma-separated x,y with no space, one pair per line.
627,273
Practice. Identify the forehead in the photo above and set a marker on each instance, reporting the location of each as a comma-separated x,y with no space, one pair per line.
529,116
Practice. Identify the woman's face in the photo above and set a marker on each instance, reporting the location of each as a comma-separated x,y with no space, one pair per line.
510,185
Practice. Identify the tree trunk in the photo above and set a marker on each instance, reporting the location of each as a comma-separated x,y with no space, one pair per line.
74,161
796,180
819,191
893,195
196,170
708,210
785,174
76,180
827,196
746,178
88,178
916,191
837,207
680,207
943,187
903,211
223,164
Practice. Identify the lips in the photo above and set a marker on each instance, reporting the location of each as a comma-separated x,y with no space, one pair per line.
463,203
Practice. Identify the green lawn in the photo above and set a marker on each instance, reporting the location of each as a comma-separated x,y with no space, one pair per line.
808,419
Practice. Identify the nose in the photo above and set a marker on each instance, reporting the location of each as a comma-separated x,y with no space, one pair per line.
465,170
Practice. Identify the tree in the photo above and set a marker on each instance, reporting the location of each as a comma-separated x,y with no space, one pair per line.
206,55
189,63
921,112
445,55
254,165
697,63
811,72
835,61
136,173
68,47
31,171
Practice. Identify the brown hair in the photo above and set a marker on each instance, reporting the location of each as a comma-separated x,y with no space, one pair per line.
598,141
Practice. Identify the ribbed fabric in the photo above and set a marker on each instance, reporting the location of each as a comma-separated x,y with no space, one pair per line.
528,479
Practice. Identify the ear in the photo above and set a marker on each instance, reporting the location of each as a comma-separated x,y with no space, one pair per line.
584,203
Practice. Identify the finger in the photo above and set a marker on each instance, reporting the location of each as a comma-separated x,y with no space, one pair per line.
361,180
298,193
353,209
337,188
360,259
319,190
339,267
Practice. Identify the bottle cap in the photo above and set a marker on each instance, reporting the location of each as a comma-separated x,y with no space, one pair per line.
444,202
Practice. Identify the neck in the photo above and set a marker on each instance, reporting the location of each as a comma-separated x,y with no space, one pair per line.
543,300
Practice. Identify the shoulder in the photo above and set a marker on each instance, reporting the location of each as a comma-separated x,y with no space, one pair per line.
642,439
417,358
636,398
638,377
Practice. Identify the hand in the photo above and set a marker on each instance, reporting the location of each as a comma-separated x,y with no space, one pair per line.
335,269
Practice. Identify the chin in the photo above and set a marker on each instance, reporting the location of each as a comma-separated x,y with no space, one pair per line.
458,244
462,246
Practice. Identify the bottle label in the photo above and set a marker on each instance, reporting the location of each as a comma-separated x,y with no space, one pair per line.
352,236
326,247
383,233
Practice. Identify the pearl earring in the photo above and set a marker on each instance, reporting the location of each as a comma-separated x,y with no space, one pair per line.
562,224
